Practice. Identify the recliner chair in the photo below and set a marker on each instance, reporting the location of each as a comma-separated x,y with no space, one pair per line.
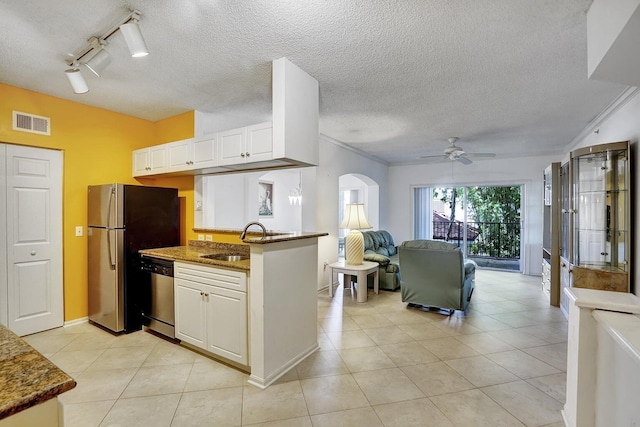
435,274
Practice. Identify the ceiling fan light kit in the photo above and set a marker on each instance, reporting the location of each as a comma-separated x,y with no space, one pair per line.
101,58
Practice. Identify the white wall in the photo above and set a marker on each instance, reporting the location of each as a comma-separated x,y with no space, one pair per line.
621,123
527,171
230,201
335,160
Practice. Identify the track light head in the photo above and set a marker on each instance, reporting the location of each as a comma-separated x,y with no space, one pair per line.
133,37
101,58
76,80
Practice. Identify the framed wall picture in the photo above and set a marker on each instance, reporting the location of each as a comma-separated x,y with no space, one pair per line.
265,199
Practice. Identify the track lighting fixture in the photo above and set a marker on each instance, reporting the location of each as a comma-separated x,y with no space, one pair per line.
96,58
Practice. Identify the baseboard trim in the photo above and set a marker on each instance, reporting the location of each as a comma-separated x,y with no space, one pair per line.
76,322
263,383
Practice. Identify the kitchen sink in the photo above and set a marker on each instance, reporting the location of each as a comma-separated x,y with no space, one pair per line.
226,257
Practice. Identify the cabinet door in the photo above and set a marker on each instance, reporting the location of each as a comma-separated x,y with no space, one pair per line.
190,313
203,152
140,162
259,142
158,159
232,146
179,153
227,323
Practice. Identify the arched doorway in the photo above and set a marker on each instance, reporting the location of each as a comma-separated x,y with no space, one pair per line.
357,188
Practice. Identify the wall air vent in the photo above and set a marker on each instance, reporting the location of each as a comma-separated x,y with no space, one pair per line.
31,123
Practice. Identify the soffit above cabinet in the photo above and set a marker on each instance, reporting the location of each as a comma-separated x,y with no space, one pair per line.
292,141
613,35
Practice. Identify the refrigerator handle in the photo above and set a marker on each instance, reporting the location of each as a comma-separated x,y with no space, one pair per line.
111,193
112,264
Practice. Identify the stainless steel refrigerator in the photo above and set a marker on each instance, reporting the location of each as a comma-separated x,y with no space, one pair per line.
122,219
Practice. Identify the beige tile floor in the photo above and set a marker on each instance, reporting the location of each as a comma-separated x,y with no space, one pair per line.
380,364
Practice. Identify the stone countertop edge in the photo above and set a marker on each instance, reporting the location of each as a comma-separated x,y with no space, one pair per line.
197,248
283,238
27,378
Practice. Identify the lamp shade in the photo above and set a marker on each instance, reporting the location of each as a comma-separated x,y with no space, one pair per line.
78,83
133,37
355,218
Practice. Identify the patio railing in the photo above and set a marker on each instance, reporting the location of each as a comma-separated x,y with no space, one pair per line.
499,240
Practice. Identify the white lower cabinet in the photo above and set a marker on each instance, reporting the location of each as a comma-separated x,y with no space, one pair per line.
211,310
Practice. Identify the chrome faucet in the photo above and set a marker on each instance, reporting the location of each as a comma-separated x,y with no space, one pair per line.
246,227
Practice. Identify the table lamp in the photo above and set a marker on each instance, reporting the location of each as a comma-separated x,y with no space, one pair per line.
355,220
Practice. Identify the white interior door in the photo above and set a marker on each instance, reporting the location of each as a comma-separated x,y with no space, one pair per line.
34,239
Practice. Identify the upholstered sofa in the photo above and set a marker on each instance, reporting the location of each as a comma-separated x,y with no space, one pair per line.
379,247
436,275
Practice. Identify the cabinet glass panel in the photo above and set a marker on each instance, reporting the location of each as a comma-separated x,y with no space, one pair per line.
600,203
565,197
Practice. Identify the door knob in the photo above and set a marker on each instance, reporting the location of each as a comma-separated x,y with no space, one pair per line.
33,252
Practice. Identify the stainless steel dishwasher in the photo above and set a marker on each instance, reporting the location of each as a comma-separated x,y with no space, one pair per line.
158,307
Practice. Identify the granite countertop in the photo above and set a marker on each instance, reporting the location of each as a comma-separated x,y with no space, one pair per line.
272,236
27,378
195,249
284,237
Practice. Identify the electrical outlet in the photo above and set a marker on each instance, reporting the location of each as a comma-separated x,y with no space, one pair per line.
200,236
78,231
209,238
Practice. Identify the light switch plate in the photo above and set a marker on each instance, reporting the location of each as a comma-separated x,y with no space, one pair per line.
78,231
209,238
200,236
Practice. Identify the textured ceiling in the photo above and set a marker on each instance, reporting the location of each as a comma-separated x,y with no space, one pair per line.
397,78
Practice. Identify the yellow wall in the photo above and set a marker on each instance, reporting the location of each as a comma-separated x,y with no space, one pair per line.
97,147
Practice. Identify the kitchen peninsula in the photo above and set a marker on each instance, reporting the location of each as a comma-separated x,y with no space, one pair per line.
281,295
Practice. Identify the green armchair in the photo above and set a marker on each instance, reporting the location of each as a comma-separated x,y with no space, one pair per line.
435,274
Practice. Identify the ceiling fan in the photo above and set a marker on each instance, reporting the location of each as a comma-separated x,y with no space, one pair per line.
456,153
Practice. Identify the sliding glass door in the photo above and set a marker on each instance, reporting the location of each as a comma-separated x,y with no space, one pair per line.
484,221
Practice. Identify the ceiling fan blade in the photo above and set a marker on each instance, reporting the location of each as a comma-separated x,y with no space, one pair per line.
464,160
439,156
481,155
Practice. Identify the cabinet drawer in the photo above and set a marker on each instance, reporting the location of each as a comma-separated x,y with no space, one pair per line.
229,279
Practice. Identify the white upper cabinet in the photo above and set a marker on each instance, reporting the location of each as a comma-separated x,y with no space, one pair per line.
192,154
246,145
232,146
203,151
180,155
151,161
259,142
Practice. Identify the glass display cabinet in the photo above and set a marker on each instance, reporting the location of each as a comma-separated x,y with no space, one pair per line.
601,217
